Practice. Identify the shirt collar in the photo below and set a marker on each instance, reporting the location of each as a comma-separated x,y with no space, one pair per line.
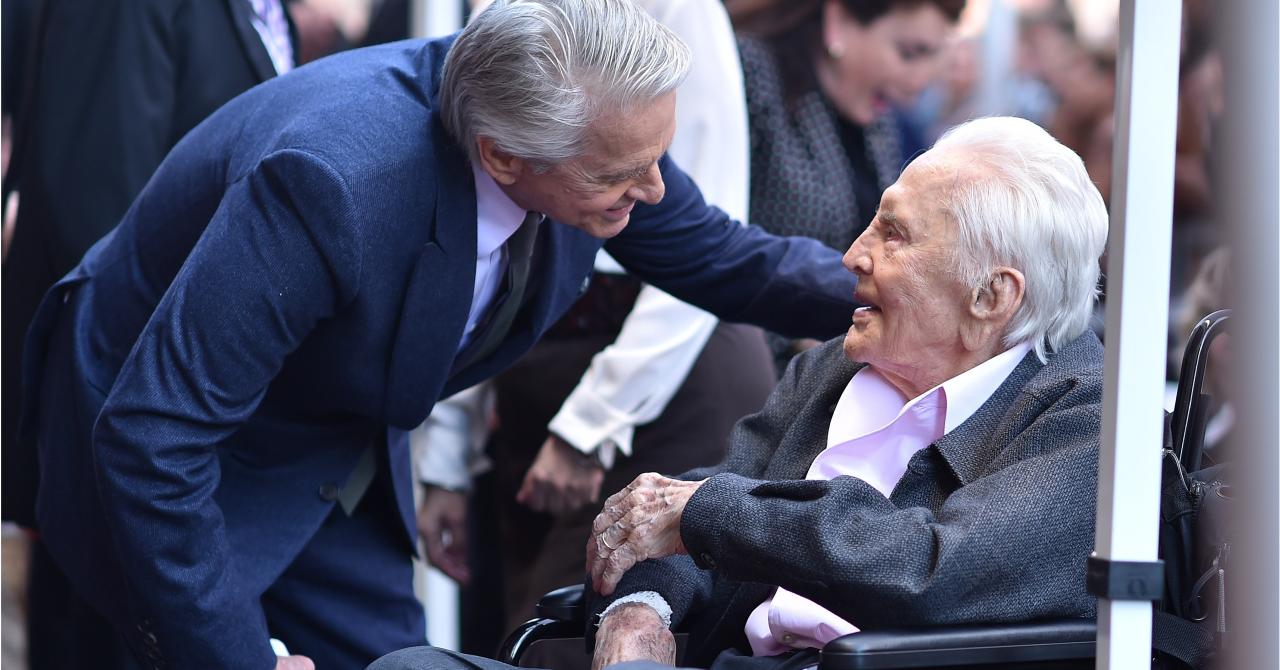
965,392
870,402
497,215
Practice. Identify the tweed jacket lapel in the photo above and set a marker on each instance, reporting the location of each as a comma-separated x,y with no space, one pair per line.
807,435
972,447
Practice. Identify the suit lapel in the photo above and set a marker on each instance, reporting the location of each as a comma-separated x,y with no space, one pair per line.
438,295
250,40
564,257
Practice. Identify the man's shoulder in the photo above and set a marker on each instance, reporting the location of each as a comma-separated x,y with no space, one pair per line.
368,115
1075,369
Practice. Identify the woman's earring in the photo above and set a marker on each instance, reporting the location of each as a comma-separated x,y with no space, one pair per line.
835,50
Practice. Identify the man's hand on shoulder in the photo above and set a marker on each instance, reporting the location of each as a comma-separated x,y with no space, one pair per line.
561,479
633,632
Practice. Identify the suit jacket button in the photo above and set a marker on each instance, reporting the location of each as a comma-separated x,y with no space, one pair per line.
586,283
329,492
711,562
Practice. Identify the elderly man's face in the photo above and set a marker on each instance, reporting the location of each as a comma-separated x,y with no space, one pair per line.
595,193
916,304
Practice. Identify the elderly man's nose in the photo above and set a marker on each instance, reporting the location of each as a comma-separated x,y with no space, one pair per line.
856,259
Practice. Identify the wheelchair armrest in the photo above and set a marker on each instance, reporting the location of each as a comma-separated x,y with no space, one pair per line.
563,604
1056,642
560,613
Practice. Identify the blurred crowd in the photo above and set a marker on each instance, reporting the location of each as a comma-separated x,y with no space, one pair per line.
797,115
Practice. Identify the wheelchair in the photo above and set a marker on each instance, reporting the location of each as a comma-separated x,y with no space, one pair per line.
1056,644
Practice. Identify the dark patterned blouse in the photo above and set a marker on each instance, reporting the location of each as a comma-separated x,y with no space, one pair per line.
813,173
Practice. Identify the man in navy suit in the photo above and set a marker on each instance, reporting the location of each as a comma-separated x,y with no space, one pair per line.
221,387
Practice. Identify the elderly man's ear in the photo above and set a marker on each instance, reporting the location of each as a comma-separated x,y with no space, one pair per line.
991,306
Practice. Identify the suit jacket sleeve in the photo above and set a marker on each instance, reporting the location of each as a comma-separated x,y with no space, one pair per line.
792,285
279,254
991,552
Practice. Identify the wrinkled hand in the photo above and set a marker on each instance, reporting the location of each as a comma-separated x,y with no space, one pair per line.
803,344
640,522
633,632
294,663
561,479
442,521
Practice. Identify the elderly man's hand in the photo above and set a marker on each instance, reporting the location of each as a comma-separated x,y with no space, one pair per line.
633,632
640,522
561,479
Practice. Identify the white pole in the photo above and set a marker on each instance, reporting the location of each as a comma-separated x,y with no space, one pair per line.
1137,314
999,39
437,18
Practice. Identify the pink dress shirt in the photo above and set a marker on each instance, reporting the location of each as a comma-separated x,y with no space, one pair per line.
874,433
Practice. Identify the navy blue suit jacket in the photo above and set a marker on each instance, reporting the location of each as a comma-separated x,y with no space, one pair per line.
289,288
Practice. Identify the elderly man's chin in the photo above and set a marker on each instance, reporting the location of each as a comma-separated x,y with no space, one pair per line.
858,341
855,345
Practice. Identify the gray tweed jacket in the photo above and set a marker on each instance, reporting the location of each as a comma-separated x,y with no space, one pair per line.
993,522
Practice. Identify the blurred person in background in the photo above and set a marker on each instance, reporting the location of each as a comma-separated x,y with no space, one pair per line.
822,77
631,380
109,88
1201,106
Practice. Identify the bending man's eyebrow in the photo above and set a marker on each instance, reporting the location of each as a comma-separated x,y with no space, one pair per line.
628,173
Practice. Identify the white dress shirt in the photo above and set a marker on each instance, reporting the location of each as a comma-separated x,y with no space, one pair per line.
631,381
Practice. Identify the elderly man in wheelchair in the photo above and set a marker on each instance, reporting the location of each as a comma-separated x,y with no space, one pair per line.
935,466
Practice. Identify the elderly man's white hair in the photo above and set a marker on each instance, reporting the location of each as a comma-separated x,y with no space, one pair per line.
1024,200
532,74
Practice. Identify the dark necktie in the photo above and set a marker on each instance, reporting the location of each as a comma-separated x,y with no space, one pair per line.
491,334
519,258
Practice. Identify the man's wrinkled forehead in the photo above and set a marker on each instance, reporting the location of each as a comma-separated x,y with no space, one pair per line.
938,176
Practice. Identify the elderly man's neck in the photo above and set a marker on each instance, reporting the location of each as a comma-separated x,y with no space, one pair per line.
931,369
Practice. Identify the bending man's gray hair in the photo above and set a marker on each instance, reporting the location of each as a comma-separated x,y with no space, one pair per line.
532,74
1024,200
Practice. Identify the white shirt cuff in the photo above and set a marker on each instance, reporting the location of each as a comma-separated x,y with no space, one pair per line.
650,598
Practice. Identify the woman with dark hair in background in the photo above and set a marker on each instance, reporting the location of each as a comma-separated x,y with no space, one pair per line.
821,77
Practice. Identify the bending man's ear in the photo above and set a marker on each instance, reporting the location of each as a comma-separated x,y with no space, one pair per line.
502,166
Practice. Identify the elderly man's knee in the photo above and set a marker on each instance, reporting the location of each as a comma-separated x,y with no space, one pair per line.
420,658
